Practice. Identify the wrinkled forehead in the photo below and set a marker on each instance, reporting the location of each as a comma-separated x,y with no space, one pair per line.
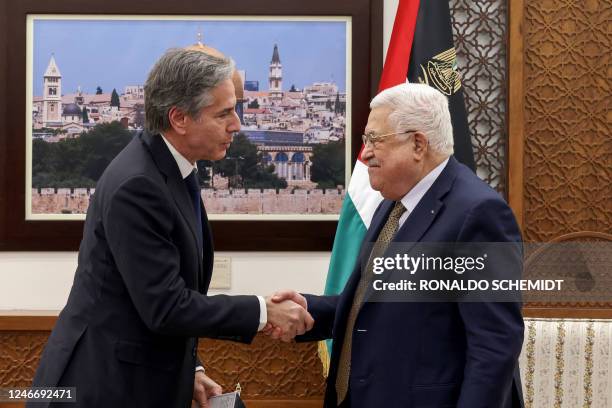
378,121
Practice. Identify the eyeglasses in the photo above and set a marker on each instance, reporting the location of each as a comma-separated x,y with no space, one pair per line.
373,138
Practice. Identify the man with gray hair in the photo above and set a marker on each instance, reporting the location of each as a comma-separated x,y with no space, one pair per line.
411,353
128,334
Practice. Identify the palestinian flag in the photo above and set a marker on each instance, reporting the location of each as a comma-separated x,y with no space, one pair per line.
420,50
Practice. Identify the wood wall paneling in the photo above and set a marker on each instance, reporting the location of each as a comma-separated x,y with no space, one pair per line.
271,374
560,144
515,110
568,139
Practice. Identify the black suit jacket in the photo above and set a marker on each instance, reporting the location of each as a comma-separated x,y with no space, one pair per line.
434,354
129,331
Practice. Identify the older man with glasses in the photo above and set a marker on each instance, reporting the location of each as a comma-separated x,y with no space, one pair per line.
420,354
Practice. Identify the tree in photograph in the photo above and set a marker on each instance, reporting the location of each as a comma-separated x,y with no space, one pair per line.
339,107
67,162
100,146
98,90
293,89
241,158
79,162
328,165
41,167
115,99
266,178
254,104
244,166
57,165
85,115
139,116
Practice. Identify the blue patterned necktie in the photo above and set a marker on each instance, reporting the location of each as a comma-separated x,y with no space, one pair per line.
193,186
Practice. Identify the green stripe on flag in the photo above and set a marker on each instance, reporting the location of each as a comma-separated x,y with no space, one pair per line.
349,235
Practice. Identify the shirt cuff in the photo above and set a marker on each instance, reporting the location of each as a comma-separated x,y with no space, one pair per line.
263,313
200,368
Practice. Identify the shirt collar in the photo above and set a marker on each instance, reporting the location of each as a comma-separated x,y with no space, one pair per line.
184,165
412,198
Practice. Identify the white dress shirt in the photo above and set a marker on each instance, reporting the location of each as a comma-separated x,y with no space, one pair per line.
186,168
412,198
184,165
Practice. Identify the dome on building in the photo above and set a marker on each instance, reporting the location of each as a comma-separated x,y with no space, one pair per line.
297,157
72,109
281,157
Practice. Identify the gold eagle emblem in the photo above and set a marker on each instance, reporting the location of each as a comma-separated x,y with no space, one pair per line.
441,72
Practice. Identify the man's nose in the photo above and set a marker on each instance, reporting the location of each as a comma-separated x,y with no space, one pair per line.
235,125
368,151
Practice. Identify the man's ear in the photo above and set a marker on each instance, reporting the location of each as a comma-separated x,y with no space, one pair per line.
421,144
178,120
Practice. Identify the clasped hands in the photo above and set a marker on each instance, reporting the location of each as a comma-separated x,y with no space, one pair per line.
287,316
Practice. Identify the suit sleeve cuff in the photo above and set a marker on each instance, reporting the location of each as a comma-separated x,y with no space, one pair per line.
263,313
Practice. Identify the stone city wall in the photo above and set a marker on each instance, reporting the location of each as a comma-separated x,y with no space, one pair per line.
61,200
255,201
251,201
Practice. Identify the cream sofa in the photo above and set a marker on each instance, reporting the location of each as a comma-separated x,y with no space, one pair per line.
567,363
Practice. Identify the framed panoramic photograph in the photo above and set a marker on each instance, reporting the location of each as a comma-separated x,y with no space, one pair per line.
77,81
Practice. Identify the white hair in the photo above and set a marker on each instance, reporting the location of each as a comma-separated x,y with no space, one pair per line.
419,107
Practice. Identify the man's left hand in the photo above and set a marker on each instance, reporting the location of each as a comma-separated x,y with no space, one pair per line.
203,389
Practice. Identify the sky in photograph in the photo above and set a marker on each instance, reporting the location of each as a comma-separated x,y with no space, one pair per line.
113,54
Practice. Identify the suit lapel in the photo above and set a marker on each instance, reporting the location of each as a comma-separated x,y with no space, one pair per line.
208,252
427,210
167,165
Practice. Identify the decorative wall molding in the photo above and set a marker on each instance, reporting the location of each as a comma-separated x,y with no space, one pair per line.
479,31
270,373
266,369
559,53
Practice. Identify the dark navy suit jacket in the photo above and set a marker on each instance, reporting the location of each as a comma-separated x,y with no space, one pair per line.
435,354
129,331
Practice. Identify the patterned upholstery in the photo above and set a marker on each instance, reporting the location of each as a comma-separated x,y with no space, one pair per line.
567,363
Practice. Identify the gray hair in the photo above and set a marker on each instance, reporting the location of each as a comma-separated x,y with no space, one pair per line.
182,78
419,107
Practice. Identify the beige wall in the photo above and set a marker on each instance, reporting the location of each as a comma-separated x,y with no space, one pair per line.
42,280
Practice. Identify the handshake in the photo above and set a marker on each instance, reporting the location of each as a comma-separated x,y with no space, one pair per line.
287,316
